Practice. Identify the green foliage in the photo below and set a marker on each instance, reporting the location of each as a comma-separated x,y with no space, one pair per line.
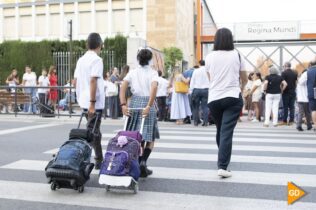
118,45
17,54
172,56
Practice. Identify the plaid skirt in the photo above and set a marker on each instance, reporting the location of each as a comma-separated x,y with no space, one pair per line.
150,131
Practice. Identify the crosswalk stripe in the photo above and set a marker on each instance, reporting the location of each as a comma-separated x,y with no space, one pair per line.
208,136
237,129
241,131
26,128
196,174
235,158
96,197
303,135
235,139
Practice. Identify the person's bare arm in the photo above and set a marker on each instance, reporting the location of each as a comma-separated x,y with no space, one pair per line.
93,90
265,85
153,93
123,89
186,80
243,79
283,85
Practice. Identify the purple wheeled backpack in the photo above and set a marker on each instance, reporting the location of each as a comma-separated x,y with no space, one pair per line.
121,157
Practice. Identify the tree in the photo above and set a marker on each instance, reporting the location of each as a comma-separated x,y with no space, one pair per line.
172,56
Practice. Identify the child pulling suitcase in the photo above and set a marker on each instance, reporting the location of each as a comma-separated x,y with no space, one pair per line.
71,167
120,167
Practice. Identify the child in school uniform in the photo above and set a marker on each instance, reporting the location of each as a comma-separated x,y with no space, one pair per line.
144,83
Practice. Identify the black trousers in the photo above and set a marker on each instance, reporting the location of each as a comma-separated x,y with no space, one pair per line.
113,106
199,99
97,137
225,112
162,103
288,104
43,100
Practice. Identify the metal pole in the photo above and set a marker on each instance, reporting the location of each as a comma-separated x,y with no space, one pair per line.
70,62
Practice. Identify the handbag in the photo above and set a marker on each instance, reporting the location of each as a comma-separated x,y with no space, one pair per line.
180,86
112,89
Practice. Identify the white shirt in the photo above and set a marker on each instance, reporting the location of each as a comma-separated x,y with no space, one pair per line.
88,66
301,88
45,83
30,79
162,87
199,79
140,80
224,68
258,90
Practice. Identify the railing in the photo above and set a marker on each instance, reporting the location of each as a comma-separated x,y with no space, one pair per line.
28,96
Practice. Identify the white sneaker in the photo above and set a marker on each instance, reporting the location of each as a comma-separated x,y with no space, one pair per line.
224,173
255,120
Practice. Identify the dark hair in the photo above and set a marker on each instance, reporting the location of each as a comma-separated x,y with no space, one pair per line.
159,73
258,74
250,76
202,63
313,63
223,40
144,56
51,69
94,41
124,72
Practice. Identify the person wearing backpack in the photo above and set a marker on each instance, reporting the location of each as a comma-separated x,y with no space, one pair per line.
89,83
144,84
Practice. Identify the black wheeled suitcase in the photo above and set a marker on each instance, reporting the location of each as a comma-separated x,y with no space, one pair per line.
71,166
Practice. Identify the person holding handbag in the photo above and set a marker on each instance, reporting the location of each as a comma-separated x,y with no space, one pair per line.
180,105
144,84
225,69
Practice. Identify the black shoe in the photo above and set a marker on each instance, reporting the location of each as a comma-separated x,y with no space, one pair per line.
300,129
97,166
149,172
204,124
309,128
143,171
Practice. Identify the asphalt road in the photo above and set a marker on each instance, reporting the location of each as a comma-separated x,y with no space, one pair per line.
184,162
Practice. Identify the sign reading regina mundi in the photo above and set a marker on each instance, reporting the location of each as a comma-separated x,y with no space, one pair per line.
267,31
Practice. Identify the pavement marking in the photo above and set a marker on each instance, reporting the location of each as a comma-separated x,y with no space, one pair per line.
211,139
248,177
209,136
237,129
235,147
267,134
235,158
96,197
27,128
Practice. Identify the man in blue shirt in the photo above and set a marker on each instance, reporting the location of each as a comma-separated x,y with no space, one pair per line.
311,88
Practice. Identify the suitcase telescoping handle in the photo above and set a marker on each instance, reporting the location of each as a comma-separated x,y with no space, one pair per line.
98,115
142,123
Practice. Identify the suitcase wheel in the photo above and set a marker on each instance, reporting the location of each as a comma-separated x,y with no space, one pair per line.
53,186
81,189
107,188
134,187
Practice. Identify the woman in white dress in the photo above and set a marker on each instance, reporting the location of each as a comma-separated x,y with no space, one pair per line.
180,105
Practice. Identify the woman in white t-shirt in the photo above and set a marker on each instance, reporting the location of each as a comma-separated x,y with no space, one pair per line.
225,67
144,84
29,79
256,92
43,81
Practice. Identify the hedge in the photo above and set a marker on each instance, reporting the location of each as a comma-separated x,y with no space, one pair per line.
18,54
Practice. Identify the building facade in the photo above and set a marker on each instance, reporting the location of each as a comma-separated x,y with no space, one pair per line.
162,23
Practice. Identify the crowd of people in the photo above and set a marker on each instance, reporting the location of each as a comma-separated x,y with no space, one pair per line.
213,92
